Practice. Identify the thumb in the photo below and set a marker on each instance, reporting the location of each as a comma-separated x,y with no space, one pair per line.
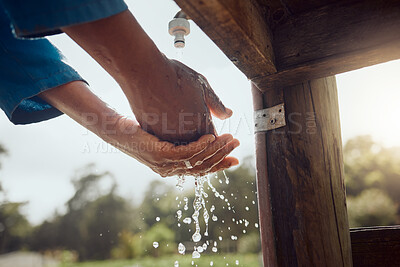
213,102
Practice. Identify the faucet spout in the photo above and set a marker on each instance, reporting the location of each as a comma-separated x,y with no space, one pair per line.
179,27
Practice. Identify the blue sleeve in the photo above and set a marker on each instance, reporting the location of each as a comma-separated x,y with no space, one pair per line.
27,68
37,18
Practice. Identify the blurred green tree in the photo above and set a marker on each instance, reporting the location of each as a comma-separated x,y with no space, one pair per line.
14,227
371,207
95,218
368,166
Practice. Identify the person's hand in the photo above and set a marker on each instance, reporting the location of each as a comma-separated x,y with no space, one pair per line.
208,154
169,100
175,102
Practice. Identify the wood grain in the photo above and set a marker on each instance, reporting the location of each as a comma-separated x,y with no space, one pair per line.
277,43
376,246
305,177
263,193
335,39
239,29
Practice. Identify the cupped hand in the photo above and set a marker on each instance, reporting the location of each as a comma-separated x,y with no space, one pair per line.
175,103
208,154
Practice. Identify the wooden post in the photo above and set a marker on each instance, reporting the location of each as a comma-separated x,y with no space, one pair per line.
301,191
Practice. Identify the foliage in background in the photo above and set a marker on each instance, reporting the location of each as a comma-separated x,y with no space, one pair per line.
372,177
14,227
99,224
93,222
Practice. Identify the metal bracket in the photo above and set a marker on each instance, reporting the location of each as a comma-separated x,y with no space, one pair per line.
269,118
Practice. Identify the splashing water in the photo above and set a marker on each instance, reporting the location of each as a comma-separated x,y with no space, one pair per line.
176,264
226,177
179,214
181,249
195,255
198,204
187,220
180,182
186,207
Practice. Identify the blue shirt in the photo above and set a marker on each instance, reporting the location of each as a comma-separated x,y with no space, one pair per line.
31,66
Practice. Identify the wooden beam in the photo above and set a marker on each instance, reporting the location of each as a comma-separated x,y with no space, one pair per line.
268,244
334,39
376,246
239,29
300,179
308,43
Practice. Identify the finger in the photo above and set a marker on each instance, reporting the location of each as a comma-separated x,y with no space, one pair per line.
185,152
225,164
211,150
213,102
217,158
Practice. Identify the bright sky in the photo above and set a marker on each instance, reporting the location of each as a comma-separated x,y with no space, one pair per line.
44,156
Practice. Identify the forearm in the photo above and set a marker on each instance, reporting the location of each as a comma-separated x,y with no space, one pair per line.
120,45
78,102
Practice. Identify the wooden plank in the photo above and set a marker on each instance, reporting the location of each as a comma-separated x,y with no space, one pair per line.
376,246
263,193
334,39
239,29
305,178
308,42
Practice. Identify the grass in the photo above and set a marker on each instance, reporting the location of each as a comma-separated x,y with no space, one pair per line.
245,260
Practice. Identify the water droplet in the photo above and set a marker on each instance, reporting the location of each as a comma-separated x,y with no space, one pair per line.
214,249
226,177
155,244
176,264
196,237
205,246
186,207
187,220
200,249
180,182
179,214
181,248
247,208
100,234
256,225
195,255
212,208
220,238
233,237
214,218
211,263
157,219
237,262
253,202
246,223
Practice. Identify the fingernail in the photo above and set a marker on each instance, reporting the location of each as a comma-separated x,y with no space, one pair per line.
212,139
